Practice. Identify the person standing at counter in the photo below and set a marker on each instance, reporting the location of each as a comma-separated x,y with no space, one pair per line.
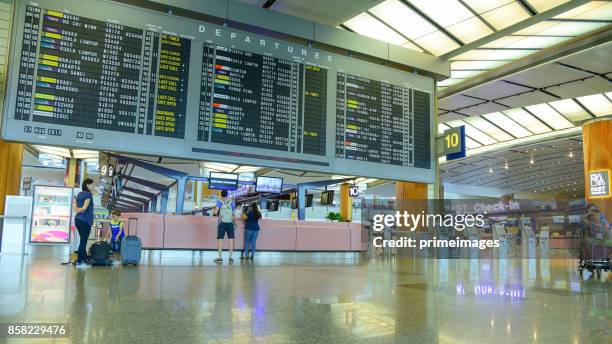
224,209
83,207
251,225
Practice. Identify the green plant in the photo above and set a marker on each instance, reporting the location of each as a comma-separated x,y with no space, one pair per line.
331,216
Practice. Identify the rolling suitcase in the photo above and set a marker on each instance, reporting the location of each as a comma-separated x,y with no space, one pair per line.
131,246
100,252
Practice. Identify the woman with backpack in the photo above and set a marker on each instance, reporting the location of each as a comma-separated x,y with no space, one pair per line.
251,225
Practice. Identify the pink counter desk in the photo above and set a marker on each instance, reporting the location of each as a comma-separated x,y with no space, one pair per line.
159,231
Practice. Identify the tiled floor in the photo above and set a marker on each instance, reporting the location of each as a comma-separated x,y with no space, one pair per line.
191,300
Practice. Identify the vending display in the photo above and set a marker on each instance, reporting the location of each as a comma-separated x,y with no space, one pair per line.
51,214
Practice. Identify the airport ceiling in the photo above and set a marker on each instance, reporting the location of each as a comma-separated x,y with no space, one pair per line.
518,67
553,168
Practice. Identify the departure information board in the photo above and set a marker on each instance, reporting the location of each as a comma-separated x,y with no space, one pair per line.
249,99
375,121
108,76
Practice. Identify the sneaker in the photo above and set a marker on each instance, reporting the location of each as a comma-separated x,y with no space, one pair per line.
586,274
82,265
218,260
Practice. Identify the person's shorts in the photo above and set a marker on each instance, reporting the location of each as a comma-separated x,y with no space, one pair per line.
116,245
223,228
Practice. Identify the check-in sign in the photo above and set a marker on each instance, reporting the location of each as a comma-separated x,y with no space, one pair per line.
599,184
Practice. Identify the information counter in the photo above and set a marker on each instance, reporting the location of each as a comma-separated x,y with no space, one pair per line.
188,232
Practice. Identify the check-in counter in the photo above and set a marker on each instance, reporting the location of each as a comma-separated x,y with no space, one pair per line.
200,233
322,236
275,235
150,228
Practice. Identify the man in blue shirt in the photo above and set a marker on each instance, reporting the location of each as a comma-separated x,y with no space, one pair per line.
225,209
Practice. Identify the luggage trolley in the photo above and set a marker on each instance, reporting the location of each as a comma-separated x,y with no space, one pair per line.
593,253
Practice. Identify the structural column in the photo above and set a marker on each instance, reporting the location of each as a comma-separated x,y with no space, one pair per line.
11,156
346,202
596,143
411,197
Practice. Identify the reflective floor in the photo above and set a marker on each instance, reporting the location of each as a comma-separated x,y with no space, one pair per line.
189,299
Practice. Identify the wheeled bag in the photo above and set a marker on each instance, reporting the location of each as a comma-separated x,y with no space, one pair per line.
100,252
131,247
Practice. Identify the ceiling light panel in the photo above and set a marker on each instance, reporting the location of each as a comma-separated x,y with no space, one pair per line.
503,42
437,43
539,42
570,109
474,133
471,144
570,28
450,82
488,128
505,54
464,74
442,127
481,6
598,104
474,65
508,124
469,30
536,28
365,24
444,12
412,47
593,10
549,116
526,120
544,5
505,16
403,19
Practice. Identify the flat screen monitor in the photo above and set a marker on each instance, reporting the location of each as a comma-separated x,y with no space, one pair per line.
272,205
223,181
269,184
309,199
327,197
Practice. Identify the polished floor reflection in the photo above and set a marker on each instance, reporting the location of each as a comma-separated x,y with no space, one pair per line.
190,300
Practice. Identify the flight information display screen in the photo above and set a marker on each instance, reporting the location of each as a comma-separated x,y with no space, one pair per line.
375,121
249,99
113,77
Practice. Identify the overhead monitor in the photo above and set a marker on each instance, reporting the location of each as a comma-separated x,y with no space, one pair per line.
167,85
269,184
272,205
327,197
223,181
